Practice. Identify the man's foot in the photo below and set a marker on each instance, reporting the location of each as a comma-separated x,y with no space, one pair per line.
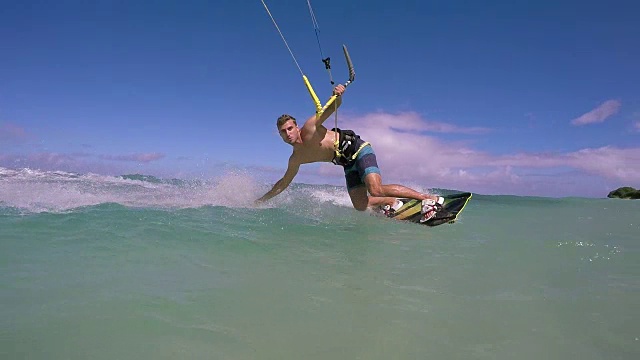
430,207
390,210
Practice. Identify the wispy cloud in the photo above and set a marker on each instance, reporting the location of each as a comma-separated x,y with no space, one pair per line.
12,133
408,157
410,153
144,158
635,121
81,154
608,162
398,140
77,162
411,121
50,161
599,114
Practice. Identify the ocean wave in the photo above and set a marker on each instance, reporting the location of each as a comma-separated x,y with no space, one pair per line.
30,190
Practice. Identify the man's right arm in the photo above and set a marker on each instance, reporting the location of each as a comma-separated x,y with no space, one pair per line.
292,170
316,121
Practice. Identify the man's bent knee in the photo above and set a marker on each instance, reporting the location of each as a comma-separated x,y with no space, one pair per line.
360,207
376,191
374,185
360,204
359,198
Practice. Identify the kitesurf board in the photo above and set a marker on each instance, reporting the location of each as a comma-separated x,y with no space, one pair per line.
451,209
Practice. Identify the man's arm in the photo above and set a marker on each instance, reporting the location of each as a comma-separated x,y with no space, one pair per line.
316,121
292,170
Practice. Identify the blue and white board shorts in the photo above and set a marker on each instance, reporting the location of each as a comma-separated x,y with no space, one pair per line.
364,165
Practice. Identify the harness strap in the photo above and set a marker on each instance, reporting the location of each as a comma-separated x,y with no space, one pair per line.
344,146
339,154
355,155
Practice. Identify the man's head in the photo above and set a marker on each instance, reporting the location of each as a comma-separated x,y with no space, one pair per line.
284,118
288,129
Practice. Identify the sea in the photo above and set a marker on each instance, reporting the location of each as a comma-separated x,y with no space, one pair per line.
140,267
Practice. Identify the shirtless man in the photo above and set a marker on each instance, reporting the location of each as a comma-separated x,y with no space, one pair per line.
315,143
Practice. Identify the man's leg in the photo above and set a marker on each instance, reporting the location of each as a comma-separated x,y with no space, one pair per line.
359,197
377,189
358,192
361,200
365,169
430,203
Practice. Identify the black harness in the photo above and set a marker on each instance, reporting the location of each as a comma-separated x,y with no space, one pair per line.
347,147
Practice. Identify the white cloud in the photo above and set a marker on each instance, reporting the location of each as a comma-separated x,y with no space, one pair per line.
608,162
406,156
409,154
140,157
599,114
74,162
411,121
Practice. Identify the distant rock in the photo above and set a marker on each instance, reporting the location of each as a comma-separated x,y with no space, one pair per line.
625,193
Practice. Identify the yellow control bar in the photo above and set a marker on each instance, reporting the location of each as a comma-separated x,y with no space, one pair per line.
314,97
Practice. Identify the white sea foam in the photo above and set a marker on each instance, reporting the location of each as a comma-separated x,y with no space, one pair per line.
36,191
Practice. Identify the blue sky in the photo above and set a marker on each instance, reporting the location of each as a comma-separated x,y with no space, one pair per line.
514,97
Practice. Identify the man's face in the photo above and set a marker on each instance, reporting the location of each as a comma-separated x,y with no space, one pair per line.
289,132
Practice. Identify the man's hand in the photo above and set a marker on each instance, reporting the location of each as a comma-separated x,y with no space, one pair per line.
339,90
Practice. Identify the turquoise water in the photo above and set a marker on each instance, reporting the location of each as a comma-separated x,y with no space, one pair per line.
98,267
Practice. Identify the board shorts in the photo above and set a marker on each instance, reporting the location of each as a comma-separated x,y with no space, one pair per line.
364,164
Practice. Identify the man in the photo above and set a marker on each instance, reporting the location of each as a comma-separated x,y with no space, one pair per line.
315,143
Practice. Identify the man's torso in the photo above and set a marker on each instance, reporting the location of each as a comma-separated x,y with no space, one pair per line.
316,147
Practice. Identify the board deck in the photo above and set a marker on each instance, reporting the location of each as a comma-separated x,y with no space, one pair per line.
451,209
